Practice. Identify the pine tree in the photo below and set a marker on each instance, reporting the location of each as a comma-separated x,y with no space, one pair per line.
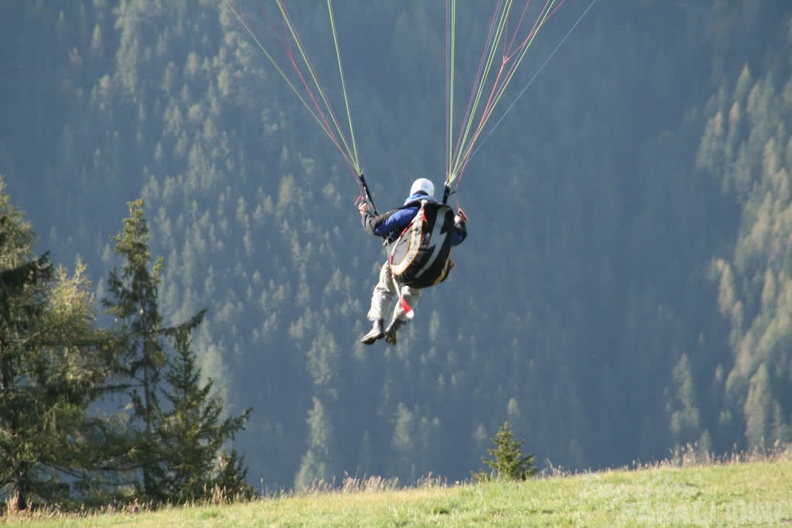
507,460
21,311
192,435
135,289
179,450
53,364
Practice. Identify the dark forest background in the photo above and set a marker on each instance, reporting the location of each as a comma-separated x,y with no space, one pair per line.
626,287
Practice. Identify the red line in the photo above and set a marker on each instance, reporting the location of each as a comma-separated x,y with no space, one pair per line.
477,79
507,66
448,85
324,121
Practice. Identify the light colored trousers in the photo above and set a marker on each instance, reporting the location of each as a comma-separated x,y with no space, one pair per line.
383,295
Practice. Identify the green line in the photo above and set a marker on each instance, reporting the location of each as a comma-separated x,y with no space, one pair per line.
275,64
342,145
450,176
345,151
467,143
304,56
344,90
479,88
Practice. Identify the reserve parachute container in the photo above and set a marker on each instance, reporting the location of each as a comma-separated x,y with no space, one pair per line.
421,256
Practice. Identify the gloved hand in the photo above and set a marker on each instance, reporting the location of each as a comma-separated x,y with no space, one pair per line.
460,217
363,207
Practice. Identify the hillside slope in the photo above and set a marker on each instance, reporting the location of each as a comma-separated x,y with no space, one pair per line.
729,494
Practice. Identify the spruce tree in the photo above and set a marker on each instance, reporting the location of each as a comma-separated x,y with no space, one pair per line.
22,303
179,445
193,435
135,288
53,365
507,460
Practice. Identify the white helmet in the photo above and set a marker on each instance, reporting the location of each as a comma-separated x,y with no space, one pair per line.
422,185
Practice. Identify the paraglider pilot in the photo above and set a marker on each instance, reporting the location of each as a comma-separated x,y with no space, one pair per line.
392,226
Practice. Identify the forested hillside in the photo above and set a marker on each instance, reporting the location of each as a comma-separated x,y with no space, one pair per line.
626,286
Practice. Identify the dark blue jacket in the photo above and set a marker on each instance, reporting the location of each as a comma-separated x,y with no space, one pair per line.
391,224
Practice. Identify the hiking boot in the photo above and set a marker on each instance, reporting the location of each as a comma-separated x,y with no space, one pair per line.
373,334
390,333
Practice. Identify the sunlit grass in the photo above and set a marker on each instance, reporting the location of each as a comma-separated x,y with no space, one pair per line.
680,492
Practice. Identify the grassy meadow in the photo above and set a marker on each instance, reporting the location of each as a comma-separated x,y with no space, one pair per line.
733,493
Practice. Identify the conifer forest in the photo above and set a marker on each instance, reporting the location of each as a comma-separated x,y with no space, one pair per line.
184,276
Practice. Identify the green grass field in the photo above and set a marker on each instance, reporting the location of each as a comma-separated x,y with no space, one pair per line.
725,494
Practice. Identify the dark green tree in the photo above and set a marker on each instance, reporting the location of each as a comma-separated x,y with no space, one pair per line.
193,434
53,366
180,444
135,289
507,462
22,303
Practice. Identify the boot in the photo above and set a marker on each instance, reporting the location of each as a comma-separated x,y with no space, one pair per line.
373,334
393,327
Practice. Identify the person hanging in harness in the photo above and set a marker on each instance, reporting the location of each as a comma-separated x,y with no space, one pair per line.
418,237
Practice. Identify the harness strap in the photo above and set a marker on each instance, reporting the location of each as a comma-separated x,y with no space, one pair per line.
408,311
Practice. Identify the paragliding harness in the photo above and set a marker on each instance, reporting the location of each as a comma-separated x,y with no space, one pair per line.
420,256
